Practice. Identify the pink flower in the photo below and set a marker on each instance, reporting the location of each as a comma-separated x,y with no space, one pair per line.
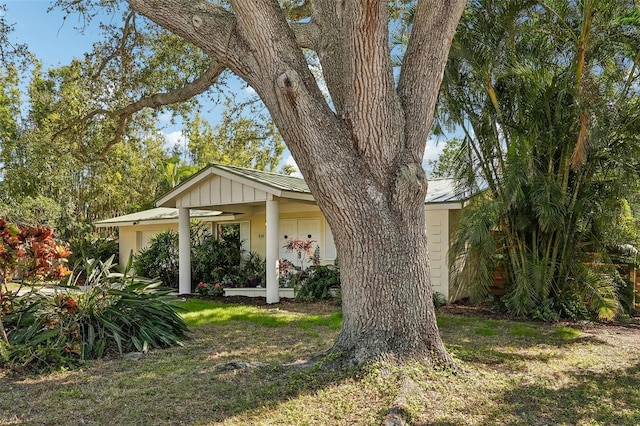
217,285
202,285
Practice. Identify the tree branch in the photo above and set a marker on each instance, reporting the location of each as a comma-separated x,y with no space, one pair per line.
129,26
434,26
208,26
122,115
307,34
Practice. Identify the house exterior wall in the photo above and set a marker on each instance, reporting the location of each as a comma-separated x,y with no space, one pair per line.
437,225
136,237
440,224
291,211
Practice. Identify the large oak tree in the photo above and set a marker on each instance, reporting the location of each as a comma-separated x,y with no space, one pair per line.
360,151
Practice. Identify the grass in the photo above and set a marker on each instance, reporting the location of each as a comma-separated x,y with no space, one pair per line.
241,367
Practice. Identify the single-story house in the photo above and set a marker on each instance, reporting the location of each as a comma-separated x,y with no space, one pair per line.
270,209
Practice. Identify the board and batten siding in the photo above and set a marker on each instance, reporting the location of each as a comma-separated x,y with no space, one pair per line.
437,225
218,190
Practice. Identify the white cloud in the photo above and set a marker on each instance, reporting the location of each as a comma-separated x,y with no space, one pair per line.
249,90
174,138
432,152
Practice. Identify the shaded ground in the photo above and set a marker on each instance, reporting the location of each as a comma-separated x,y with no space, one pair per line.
239,368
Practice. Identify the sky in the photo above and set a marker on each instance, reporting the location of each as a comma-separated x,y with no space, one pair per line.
55,41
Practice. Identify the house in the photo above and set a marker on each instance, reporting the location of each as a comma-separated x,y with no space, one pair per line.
269,210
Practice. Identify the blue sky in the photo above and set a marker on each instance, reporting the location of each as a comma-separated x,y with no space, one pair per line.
55,41
49,36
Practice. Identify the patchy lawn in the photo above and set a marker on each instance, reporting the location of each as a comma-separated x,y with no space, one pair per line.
242,367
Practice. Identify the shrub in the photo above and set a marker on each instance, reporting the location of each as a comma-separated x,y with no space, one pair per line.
316,283
216,260
160,260
29,253
254,270
118,313
92,247
213,260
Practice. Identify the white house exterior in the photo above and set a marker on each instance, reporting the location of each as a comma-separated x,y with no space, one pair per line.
271,209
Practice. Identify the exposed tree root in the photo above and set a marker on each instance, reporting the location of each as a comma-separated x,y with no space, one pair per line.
398,412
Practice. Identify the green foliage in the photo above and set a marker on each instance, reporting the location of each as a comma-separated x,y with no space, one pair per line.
237,141
160,259
93,247
546,99
115,314
216,260
439,299
69,171
254,270
37,210
213,260
316,283
445,166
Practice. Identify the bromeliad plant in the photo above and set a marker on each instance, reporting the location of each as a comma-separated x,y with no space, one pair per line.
116,313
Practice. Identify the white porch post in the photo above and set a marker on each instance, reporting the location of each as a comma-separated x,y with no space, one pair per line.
273,294
184,250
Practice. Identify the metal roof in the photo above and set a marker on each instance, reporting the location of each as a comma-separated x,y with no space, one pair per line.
159,213
274,180
445,191
439,190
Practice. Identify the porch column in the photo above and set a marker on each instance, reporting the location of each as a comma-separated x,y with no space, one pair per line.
273,295
184,250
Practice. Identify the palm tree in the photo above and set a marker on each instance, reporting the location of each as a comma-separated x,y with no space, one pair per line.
546,94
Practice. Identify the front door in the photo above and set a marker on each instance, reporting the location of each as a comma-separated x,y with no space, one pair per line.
303,229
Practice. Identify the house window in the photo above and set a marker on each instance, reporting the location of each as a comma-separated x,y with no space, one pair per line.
228,231
237,232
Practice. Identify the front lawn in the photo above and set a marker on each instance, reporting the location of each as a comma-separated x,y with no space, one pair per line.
243,366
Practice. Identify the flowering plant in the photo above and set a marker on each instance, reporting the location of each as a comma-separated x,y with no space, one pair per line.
300,246
205,289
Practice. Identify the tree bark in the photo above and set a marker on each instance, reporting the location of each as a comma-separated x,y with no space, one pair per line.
361,154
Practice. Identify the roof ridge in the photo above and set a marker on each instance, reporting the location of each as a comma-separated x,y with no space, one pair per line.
255,170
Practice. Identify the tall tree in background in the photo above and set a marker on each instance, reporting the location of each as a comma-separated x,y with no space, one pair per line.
107,163
236,140
360,152
547,95
37,164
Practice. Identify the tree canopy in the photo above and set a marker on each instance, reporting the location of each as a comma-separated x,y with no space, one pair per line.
81,138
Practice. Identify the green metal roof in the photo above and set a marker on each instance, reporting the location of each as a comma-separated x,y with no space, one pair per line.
274,180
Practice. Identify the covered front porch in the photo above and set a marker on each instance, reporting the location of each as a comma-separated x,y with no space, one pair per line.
257,198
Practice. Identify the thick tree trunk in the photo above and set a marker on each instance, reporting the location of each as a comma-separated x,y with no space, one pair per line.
386,289
361,155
